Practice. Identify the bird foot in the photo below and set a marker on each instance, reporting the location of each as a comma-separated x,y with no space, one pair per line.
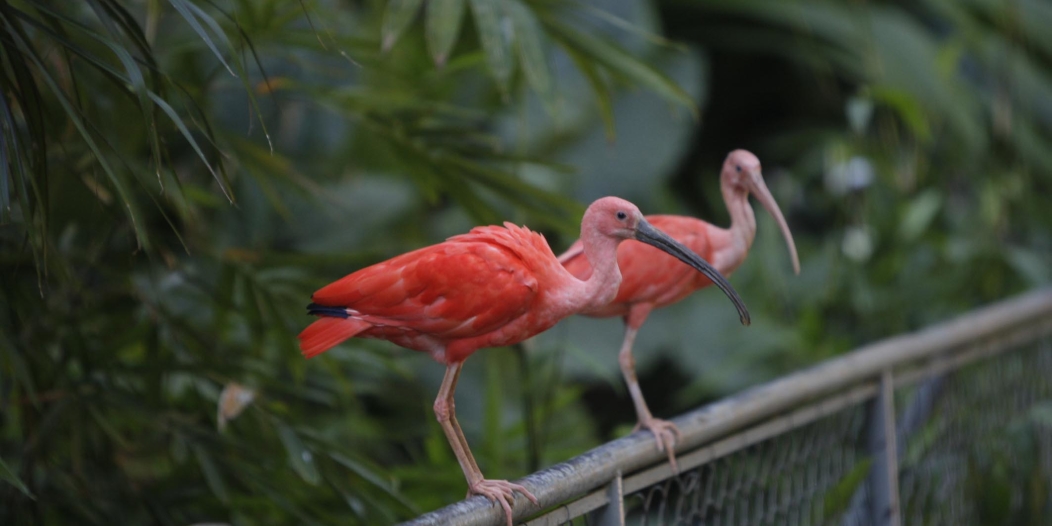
501,491
666,434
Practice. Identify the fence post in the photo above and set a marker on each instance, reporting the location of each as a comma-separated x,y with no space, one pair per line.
613,514
884,473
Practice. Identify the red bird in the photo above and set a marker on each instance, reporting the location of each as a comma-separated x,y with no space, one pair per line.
652,279
488,288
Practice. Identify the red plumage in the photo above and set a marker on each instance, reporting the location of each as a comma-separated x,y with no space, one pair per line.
652,279
474,290
491,287
325,333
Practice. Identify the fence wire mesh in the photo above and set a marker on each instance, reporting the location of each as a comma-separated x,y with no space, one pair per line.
984,456
805,477
975,447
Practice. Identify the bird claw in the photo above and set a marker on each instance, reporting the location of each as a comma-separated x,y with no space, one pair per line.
666,434
501,491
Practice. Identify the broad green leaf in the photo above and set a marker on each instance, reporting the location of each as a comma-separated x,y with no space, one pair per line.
1029,264
444,18
491,21
619,61
9,476
397,16
300,458
919,214
529,41
907,107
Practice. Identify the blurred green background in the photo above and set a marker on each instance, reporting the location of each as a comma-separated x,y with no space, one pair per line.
177,176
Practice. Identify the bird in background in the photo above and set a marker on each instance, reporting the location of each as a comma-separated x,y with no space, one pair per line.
492,287
650,279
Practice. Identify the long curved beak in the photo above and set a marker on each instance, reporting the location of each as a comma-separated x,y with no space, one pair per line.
763,195
646,233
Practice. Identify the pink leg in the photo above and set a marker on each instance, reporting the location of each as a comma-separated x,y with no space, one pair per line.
445,411
664,431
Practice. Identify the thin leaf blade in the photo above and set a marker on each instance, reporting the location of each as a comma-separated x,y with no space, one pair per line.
495,40
619,61
300,458
211,473
443,21
529,40
78,122
603,97
397,17
5,167
187,10
223,185
7,474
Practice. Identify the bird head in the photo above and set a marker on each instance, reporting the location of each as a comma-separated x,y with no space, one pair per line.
612,217
741,172
616,218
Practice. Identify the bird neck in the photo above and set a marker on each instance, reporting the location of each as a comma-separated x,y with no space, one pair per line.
601,287
743,220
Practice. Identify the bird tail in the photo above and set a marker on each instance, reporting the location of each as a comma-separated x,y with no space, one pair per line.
328,332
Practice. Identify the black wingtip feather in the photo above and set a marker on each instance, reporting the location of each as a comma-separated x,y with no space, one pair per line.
322,310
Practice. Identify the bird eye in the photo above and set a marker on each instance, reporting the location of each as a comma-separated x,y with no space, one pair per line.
621,215
738,168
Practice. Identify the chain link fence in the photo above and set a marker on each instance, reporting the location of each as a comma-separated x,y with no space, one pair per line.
981,455
985,454
801,477
949,426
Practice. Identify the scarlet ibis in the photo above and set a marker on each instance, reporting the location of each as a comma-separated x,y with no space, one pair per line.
650,279
490,287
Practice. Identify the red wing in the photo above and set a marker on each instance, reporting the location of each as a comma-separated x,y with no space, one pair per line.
451,290
687,230
648,273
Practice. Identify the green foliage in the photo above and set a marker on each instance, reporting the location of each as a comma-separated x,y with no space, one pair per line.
904,137
155,253
177,176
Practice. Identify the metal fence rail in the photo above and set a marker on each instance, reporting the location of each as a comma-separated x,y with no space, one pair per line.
915,429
